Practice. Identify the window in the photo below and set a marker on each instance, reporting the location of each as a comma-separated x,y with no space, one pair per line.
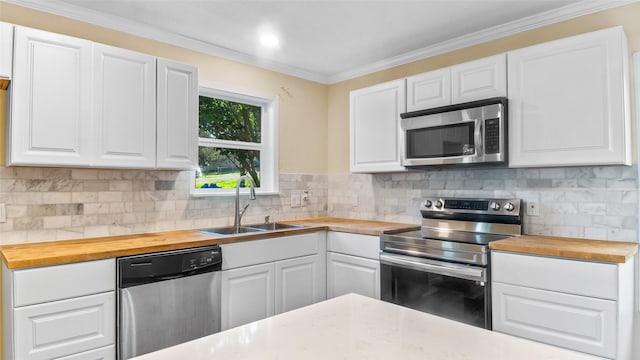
237,136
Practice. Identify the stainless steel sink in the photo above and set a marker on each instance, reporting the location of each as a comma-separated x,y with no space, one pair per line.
247,229
231,230
275,226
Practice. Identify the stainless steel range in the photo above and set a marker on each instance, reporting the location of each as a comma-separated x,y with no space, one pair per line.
444,268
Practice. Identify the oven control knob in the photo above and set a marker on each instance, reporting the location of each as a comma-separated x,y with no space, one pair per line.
494,206
438,204
428,203
509,206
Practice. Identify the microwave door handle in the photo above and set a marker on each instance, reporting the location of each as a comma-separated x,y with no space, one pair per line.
477,135
461,272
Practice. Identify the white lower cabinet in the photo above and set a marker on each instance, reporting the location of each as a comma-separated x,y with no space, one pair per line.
51,330
248,294
105,353
73,316
353,264
299,282
579,305
272,276
351,274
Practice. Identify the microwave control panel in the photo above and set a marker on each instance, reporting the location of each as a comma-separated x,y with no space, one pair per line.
492,136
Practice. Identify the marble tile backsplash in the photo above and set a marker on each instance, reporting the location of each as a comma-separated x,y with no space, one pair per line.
582,202
44,204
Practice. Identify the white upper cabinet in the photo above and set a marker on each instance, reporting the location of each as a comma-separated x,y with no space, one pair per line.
177,115
480,79
429,90
6,53
376,136
124,108
50,121
474,80
84,104
569,102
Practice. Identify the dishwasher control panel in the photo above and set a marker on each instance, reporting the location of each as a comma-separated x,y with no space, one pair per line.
147,268
201,259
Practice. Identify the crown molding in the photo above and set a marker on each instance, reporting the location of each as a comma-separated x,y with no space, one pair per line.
550,17
130,27
564,13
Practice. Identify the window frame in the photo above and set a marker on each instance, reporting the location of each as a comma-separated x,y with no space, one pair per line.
268,147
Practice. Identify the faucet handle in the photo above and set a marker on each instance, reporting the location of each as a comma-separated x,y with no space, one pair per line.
267,219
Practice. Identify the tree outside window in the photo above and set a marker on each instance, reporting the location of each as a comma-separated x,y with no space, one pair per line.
232,141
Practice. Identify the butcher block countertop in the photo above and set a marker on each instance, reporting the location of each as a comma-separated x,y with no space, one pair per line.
580,249
67,251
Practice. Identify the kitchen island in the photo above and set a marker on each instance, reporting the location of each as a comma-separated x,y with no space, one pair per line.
357,327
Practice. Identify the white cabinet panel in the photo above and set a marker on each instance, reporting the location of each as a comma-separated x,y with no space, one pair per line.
105,353
247,295
254,252
6,50
124,108
376,137
569,102
177,115
65,327
351,274
574,322
429,90
299,282
563,275
354,244
480,79
51,90
50,283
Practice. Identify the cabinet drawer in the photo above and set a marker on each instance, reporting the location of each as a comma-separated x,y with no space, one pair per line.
567,276
61,328
51,283
105,353
354,244
254,252
573,322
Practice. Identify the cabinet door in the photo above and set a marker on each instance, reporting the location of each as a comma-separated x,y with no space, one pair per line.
429,90
105,353
50,100
6,53
351,274
247,294
124,108
376,136
574,322
177,117
61,328
569,102
299,282
480,79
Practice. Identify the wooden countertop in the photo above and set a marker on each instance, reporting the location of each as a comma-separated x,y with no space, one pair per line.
364,227
571,248
67,251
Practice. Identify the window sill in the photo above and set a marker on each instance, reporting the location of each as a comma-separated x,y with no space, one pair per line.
232,193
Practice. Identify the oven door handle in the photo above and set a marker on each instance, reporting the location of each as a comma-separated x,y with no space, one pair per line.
436,267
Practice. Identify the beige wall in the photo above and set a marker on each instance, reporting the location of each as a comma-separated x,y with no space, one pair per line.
338,112
314,118
303,106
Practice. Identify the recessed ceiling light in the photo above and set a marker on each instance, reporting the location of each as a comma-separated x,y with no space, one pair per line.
269,40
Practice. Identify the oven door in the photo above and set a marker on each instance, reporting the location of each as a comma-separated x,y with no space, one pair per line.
454,291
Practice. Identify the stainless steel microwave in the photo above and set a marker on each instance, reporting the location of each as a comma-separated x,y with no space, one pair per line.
469,133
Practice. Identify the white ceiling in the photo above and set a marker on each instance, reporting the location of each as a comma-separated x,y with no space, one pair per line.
323,40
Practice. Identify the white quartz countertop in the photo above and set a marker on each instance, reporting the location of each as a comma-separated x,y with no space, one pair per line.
357,327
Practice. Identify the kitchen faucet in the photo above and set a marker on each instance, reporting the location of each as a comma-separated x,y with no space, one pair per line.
252,196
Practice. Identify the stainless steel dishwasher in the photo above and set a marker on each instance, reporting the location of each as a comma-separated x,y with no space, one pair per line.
167,298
